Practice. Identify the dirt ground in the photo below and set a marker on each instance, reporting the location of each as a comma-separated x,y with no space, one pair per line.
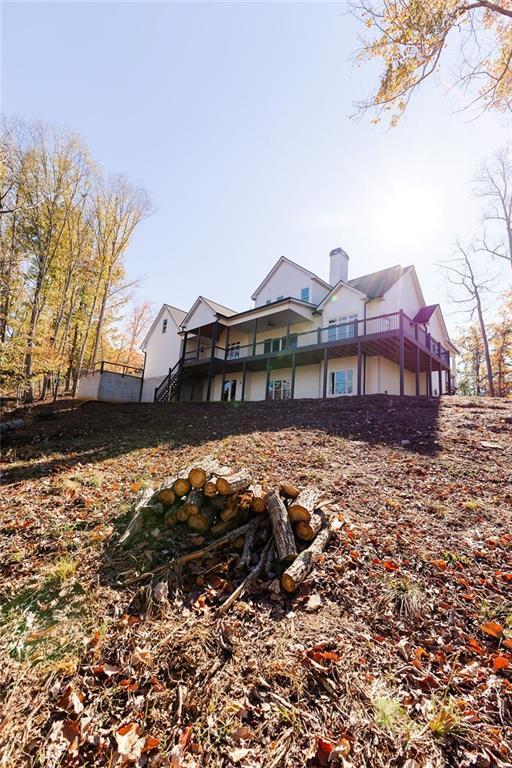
404,660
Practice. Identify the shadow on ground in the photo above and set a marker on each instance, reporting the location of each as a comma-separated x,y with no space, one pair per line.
95,431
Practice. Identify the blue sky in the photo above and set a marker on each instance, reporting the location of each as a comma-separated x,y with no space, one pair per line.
236,118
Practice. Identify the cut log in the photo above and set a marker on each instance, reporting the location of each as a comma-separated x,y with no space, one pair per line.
182,513
170,518
234,483
307,530
229,512
258,500
302,507
245,559
303,563
200,473
182,486
281,526
289,490
136,523
210,488
202,521
167,496
194,502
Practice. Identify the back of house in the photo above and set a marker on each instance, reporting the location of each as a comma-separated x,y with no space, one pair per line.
305,337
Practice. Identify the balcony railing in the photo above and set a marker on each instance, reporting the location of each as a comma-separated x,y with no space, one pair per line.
341,332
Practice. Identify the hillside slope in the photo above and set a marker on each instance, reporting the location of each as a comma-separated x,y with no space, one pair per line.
406,661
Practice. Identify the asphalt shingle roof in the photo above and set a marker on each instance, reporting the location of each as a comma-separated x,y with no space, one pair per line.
376,284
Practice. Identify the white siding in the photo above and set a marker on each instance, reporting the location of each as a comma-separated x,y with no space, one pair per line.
289,280
202,315
343,302
162,353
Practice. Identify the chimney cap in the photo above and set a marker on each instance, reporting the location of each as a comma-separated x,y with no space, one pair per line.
338,250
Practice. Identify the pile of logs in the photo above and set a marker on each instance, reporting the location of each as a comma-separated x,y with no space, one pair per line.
280,530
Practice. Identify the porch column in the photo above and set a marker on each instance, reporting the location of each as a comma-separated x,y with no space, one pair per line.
288,328
223,381
359,369
227,342
210,366
325,373
244,371
192,388
448,376
293,375
182,361
429,375
417,367
198,344
254,337
268,378
402,353
440,379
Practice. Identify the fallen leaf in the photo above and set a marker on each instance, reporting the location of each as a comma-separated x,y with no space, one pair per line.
492,628
313,604
500,662
238,754
129,741
323,750
475,646
71,700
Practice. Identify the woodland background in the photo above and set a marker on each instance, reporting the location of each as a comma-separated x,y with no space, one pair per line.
66,302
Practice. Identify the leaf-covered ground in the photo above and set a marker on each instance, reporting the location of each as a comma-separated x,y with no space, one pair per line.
404,660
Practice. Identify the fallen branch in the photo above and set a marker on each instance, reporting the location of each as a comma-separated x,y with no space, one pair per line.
252,576
196,554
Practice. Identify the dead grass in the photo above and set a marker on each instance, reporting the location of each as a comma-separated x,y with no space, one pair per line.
391,670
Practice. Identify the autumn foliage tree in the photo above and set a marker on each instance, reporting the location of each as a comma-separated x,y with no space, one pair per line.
410,38
64,231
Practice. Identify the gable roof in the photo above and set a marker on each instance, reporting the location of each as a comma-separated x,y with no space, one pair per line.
376,284
219,309
424,314
335,288
276,266
176,314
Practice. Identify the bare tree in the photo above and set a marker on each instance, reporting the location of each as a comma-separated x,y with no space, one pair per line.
461,273
494,184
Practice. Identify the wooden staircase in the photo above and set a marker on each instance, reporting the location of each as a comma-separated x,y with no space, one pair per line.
168,389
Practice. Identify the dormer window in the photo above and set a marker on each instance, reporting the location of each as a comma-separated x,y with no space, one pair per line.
304,294
280,298
164,325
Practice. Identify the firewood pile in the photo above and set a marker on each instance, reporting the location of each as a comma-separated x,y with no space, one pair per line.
277,531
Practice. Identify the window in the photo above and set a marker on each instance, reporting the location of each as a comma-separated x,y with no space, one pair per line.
279,389
341,382
304,294
164,325
268,301
343,327
233,351
279,344
229,391
280,298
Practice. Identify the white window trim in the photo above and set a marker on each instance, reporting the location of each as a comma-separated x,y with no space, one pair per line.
272,387
332,382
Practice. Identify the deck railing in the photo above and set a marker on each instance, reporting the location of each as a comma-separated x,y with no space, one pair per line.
342,332
107,366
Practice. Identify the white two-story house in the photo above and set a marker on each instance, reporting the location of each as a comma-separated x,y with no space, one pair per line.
304,337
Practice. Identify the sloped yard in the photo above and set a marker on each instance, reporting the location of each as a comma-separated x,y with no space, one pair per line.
396,651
